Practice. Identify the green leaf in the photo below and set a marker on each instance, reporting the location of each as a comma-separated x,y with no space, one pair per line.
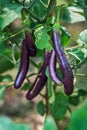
39,9
5,78
59,107
78,119
7,124
82,39
2,91
49,123
26,86
5,65
5,51
42,39
65,37
78,53
72,15
74,100
41,109
9,14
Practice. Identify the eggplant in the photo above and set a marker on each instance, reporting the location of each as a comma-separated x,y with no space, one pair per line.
63,63
40,80
24,65
52,69
30,43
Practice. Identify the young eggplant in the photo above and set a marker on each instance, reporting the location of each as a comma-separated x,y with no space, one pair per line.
40,80
24,65
52,69
30,44
64,65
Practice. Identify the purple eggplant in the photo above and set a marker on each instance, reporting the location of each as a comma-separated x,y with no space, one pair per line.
30,43
63,63
52,69
24,65
40,80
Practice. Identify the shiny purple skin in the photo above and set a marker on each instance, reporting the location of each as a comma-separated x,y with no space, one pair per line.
64,65
30,44
52,69
40,80
24,65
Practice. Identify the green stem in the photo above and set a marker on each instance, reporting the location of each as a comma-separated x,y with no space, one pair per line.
30,75
34,64
47,102
73,47
82,75
10,84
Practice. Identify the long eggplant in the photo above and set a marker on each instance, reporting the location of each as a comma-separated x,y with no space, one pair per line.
30,43
24,65
40,80
63,63
52,69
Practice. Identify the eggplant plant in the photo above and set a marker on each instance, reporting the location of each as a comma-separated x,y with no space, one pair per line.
43,42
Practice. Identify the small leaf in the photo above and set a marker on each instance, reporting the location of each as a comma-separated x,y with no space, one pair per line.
74,100
65,37
82,39
5,78
42,39
5,65
59,107
26,86
41,108
77,53
2,91
49,123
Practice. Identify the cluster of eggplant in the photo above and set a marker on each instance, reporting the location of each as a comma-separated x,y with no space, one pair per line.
51,57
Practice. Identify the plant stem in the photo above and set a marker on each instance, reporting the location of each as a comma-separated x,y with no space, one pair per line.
30,75
33,63
47,102
82,75
73,47
10,84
